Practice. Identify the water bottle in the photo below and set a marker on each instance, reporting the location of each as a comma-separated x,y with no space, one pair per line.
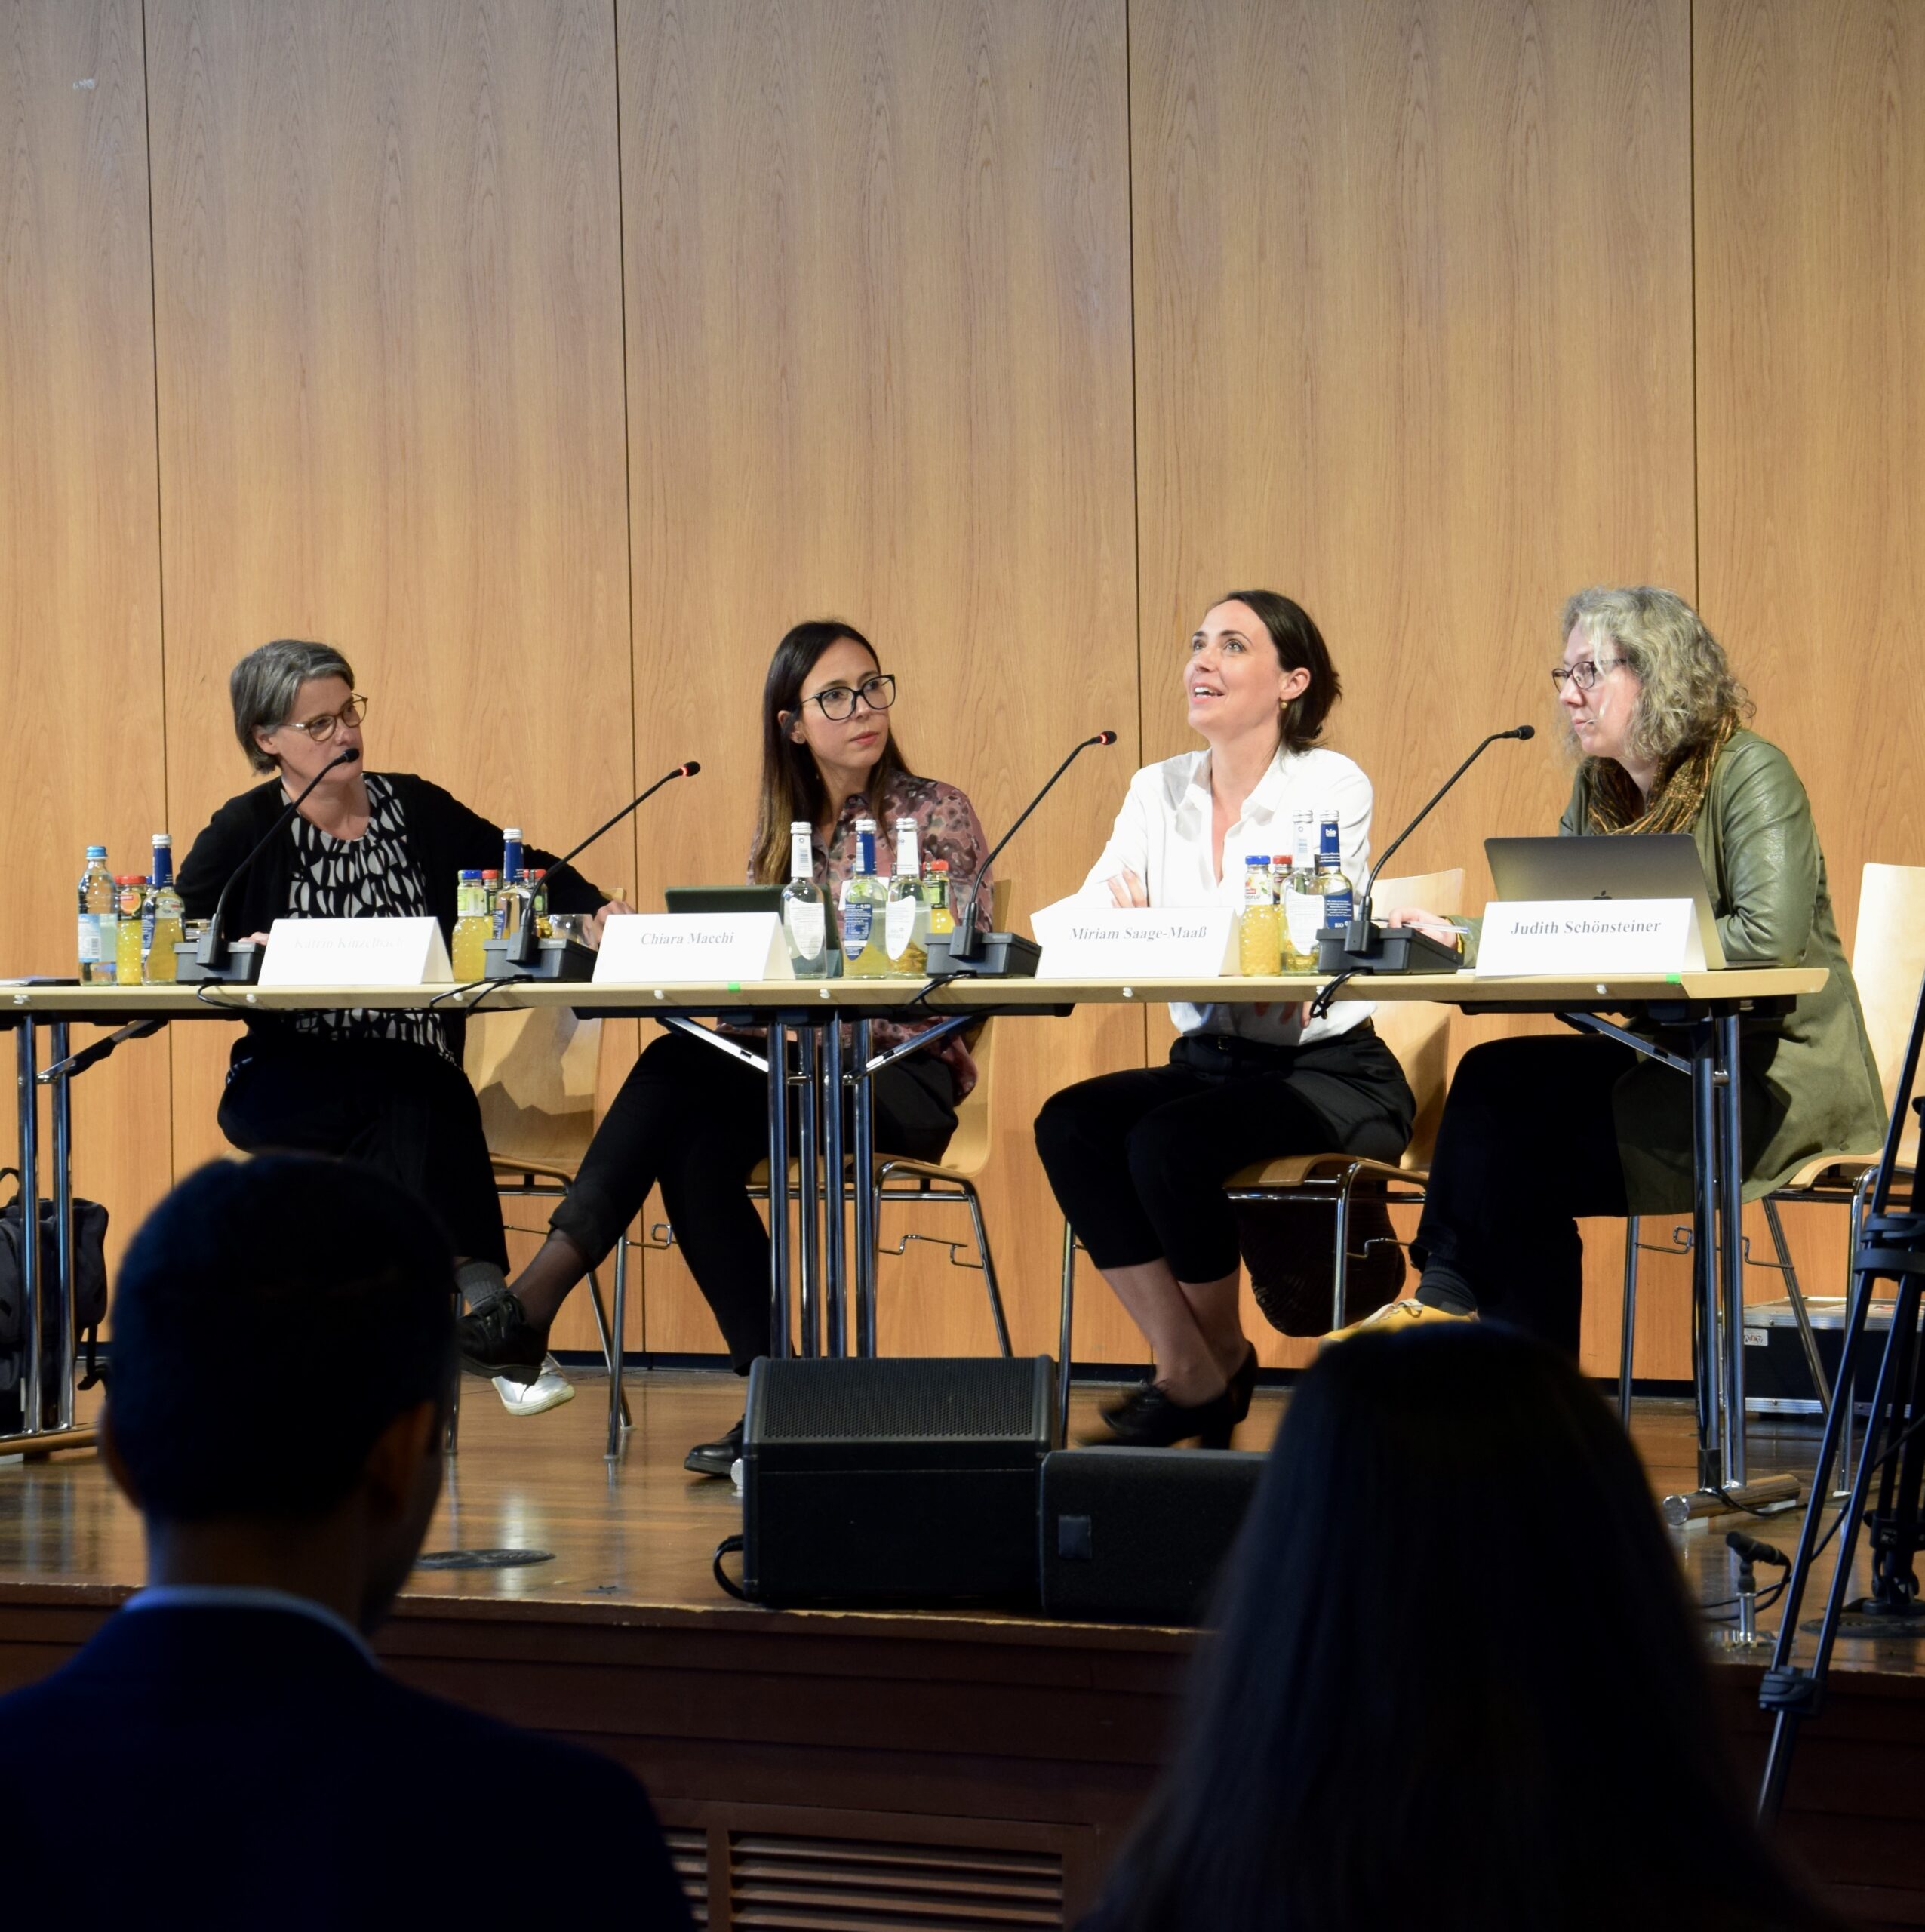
98,916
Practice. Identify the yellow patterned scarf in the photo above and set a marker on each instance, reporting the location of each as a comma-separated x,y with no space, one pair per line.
1676,799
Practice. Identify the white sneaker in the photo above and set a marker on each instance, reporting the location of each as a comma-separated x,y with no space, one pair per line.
548,1390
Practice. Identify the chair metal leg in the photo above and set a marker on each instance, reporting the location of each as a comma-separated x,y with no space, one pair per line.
1800,1313
1065,1322
602,1330
1340,1269
1627,1342
617,1398
989,1270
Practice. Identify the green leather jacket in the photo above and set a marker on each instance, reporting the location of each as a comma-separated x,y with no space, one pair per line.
1810,1085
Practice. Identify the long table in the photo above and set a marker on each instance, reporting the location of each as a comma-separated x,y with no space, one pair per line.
1708,1009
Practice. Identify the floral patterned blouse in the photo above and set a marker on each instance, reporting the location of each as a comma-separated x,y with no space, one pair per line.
947,828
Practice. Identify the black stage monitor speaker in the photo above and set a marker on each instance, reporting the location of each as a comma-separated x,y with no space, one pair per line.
902,1481
1139,1535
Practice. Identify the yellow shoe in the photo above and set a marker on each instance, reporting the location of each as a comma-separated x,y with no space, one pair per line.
1392,1317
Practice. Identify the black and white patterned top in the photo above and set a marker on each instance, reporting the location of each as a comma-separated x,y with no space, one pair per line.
369,877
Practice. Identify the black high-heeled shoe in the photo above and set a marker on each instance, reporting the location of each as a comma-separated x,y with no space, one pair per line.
1148,1417
1243,1384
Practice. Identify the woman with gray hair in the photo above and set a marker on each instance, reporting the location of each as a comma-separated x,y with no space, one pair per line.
1538,1132
385,1089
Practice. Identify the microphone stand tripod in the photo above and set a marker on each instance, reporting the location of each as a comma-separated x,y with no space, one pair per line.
1889,1248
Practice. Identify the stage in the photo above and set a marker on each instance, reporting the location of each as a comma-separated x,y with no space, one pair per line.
838,1769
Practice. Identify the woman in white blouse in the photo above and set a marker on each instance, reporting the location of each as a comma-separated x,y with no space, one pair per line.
1137,1159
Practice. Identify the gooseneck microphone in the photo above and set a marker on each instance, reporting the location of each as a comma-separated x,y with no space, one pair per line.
1363,948
1001,955
525,947
214,959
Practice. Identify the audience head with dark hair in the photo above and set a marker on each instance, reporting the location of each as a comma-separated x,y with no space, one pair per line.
1456,1683
248,1420
246,1760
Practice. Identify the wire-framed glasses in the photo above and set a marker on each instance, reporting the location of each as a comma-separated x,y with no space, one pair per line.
838,701
1584,673
324,728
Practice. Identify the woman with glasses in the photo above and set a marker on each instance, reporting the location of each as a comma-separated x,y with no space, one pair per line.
1138,1158
385,1089
1538,1132
695,1120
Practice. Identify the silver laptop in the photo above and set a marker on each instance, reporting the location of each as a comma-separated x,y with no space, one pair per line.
1663,865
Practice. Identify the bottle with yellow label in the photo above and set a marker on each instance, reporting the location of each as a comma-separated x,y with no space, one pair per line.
1259,932
473,927
130,897
935,890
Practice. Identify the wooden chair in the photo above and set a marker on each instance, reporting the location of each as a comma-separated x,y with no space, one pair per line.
1418,1032
1888,963
534,1073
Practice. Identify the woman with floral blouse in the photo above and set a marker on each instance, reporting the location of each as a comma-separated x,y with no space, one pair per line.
696,1121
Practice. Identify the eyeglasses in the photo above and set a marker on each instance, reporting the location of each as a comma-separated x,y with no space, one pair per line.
838,701
1584,673
323,728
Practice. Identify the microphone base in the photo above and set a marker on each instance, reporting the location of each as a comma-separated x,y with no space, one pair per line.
555,959
1001,956
242,967
1391,950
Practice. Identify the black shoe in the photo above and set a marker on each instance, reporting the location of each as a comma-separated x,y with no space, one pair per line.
1147,1418
498,1339
1242,1385
716,1458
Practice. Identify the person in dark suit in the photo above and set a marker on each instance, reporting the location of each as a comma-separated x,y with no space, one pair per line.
226,1751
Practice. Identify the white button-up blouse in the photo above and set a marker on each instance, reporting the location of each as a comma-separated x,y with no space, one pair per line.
1162,835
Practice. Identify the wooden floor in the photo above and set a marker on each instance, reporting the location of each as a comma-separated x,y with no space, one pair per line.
851,1762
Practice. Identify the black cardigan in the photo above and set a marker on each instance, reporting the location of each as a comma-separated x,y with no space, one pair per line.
444,838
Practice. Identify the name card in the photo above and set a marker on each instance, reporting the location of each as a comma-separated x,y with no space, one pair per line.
1082,942
1590,936
656,949
356,952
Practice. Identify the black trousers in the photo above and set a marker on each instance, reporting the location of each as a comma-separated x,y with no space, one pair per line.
696,1121
1527,1144
394,1105
1137,1159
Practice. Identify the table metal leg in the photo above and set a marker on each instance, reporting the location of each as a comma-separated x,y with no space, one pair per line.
862,1172
1708,1366
778,1056
808,1217
835,1246
58,1313
618,1321
26,1047
1731,1250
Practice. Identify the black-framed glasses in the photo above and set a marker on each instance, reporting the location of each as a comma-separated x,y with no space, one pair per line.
838,701
323,728
1584,673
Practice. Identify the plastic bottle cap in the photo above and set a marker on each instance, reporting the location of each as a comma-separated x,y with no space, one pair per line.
97,851
513,832
1257,859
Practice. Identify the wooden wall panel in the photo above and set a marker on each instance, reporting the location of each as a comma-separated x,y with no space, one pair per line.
1413,339
1810,298
80,605
1811,191
388,299
879,343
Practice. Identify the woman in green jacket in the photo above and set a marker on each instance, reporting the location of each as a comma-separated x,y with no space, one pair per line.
1538,1132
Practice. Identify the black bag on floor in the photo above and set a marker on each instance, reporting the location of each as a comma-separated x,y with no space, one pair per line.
89,1273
